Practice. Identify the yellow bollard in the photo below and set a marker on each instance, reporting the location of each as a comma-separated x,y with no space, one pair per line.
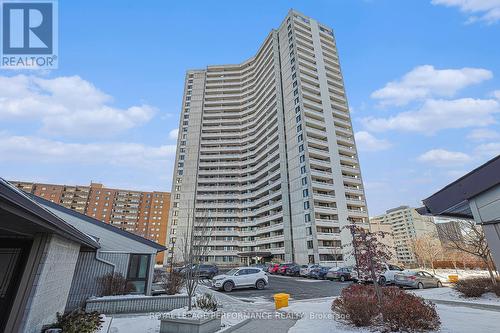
281,300
453,278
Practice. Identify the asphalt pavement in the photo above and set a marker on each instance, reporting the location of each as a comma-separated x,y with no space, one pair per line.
297,287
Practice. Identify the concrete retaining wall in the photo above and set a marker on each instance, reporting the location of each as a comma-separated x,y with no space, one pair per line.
136,304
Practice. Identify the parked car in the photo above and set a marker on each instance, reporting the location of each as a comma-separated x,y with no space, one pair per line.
339,273
283,267
273,269
319,273
204,270
416,279
241,277
180,268
305,269
157,289
264,267
292,270
387,277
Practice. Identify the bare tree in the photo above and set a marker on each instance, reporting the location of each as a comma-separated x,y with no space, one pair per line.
472,240
427,249
194,248
370,254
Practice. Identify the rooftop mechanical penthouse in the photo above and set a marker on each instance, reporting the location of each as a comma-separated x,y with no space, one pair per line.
266,150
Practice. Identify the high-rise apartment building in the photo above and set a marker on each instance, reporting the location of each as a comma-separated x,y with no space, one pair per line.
143,213
406,225
266,150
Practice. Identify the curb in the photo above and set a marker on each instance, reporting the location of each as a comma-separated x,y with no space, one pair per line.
235,327
489,307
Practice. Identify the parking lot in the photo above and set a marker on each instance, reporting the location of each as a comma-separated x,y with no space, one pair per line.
298,288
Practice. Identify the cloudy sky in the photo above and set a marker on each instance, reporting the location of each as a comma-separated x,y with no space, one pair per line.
422,78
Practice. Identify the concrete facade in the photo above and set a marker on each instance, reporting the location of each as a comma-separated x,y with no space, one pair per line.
266,151
52,283
406,225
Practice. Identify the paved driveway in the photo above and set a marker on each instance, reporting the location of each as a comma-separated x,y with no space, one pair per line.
298,288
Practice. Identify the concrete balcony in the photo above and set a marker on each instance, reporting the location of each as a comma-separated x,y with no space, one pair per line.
325,210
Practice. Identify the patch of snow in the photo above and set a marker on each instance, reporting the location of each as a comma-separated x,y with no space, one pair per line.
119,296
442,274
105,324
457,319
193,313
134,324
450,294
116,297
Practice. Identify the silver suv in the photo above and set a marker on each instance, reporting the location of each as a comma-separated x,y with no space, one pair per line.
241,277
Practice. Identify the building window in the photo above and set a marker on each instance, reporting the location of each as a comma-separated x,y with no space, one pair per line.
138,269
306,204
302,158
310,244
307,217
300,138
305,193
304,181
301,148
303,169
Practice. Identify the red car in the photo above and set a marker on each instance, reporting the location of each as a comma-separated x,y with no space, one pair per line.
273,269
282,268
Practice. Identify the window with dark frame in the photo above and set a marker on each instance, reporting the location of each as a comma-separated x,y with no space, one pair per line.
138,270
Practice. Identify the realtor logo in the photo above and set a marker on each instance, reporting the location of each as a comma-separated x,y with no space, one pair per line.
29,34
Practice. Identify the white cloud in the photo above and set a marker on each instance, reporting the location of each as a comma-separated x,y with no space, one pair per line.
36,150
425,81
173,134
489,150
67,106
442,157
483,134
436,115
367,142
480,10
496,94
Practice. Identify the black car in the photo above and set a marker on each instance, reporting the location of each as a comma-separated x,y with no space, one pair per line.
319,273
203,271
292,270
180,269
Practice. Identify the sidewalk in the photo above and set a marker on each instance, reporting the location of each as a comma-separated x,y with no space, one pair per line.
488,307
267,325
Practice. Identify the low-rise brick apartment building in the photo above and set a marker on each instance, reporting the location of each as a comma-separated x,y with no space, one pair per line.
143,213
